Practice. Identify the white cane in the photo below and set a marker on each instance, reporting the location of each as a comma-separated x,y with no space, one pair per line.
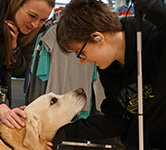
139,59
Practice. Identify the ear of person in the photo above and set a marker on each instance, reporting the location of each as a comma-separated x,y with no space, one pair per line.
97,38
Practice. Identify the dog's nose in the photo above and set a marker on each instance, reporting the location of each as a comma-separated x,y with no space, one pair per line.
80,91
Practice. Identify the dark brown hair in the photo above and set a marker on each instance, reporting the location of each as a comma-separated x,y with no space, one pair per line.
81,18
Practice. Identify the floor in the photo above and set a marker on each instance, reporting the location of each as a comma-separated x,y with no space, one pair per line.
18,95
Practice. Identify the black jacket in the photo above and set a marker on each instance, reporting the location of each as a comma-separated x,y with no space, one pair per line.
120,117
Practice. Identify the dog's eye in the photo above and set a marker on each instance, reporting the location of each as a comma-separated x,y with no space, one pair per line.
54,100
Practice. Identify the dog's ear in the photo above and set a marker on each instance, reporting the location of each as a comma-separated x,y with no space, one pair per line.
32,133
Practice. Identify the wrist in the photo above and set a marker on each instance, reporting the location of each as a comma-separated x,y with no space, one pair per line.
15,50
3,108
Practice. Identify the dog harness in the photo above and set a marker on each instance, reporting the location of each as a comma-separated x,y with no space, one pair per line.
7,144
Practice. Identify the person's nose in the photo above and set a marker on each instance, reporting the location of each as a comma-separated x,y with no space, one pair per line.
35,23
83,61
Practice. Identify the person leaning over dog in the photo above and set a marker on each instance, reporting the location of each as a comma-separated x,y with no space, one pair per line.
89,29
20,21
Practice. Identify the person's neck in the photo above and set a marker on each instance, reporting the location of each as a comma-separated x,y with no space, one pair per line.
121,48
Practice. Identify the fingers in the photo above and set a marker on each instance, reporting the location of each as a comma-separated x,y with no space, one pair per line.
22,107
20,111
10,122
49,144
49,148
13,32
12,26
12,118
5,121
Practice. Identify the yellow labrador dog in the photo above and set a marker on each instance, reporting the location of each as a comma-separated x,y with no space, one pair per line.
45,116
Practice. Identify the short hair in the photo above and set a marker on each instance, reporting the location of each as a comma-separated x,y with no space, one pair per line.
81,18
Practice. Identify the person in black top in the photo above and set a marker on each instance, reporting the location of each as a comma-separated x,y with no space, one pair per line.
89,29
20,21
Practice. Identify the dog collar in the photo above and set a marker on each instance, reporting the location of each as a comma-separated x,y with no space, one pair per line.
7,144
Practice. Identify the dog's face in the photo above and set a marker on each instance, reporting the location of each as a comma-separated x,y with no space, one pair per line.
50,112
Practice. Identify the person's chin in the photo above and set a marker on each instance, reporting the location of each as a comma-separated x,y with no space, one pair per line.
25,31
102,67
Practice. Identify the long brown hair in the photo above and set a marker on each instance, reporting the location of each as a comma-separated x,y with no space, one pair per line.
13,7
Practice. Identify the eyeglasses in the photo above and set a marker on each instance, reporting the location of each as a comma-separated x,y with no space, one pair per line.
79,55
